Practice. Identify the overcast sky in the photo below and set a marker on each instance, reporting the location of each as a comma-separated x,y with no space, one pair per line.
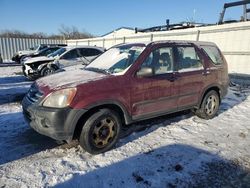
101,16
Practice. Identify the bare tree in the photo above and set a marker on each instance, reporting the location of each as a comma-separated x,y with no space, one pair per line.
73,33
21,34
65,32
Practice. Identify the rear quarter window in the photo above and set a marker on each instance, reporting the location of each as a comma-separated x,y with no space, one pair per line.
214,54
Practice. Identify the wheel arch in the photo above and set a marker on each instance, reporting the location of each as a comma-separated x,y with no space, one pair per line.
52,65
216,88
112,105
42,66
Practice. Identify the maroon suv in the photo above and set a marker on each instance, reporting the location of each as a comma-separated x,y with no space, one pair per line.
128,83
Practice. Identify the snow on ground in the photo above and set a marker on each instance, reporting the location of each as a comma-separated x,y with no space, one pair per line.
178,150
13,84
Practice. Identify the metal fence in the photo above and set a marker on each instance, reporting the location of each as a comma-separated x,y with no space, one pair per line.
9,46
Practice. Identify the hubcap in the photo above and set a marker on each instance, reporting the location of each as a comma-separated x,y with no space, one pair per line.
104,132
211,105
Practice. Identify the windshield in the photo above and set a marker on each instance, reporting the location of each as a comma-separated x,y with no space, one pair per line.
116,60
57,52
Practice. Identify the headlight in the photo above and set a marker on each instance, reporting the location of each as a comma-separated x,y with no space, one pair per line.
60,99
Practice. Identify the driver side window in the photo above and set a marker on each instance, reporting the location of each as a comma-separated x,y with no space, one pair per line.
160,60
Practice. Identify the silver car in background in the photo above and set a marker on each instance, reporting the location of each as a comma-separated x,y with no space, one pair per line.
34,68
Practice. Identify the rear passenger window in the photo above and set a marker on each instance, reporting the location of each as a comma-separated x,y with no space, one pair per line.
188,59
214,54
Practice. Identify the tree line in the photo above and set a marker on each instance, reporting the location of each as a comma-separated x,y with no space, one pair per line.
64,32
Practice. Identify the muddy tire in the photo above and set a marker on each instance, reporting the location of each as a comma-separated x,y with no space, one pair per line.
209,106
101,131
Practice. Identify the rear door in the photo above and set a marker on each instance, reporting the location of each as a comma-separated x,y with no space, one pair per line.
191,77
155,95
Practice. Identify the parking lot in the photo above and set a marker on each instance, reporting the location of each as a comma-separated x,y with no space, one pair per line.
178,150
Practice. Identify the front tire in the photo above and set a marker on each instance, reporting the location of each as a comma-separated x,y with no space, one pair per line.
209,106
47,71
101,131
19,59
22,58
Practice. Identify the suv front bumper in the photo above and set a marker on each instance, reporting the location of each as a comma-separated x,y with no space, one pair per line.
56,123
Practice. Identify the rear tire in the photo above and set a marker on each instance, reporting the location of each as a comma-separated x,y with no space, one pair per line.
101,131
209,106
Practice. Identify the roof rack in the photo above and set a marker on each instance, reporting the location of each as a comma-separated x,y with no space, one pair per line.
168,27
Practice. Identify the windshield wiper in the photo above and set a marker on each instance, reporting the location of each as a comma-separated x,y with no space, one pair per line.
94,69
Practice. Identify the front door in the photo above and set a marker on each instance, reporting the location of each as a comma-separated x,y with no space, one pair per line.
155,95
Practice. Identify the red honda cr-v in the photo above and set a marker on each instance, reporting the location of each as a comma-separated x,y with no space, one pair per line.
128,83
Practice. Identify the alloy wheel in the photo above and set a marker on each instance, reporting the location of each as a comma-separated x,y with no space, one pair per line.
211,105
104,132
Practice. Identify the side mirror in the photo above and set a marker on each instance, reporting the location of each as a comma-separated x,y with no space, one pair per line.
145,72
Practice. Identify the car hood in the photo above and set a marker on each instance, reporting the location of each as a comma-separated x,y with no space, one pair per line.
36,59
68,79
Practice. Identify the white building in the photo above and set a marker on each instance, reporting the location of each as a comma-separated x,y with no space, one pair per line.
120,32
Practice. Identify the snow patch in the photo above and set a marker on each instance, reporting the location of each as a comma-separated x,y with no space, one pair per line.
178,150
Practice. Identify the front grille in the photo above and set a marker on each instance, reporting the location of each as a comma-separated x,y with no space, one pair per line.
34,94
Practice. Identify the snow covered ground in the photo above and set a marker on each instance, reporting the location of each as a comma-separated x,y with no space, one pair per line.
178,150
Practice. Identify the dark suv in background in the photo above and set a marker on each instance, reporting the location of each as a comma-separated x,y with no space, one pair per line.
44,52
127,83
19,56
